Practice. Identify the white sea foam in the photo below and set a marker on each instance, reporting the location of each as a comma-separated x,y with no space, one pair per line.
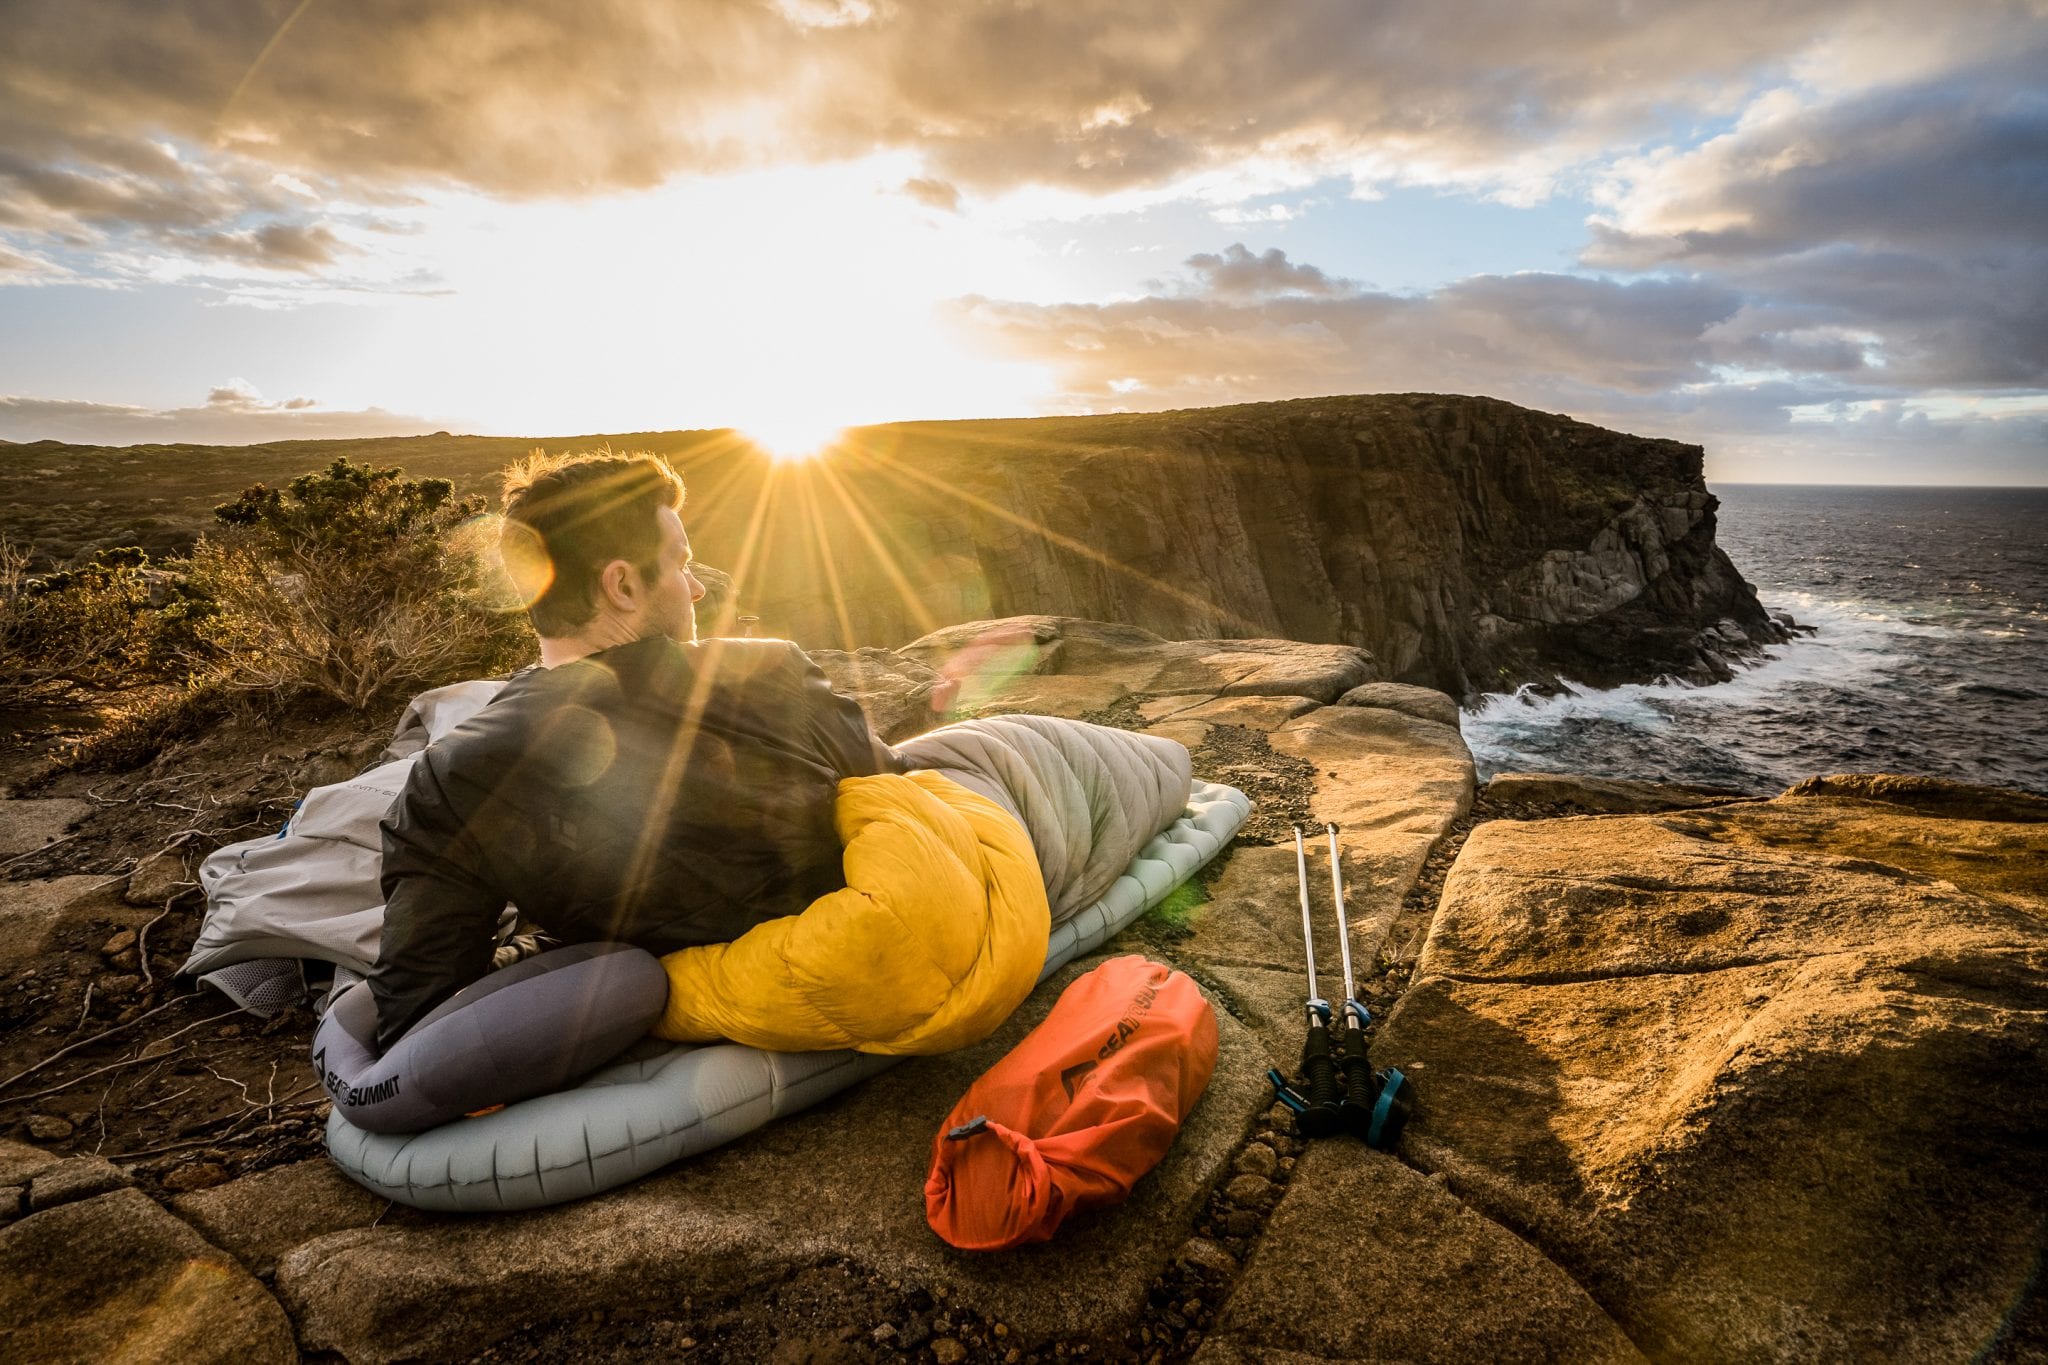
1852,642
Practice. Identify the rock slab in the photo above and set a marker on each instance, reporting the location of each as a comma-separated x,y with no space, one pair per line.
1367,1260
117,1278
31,911
72,1179
27,824
1583,795
1764,1077
259,1217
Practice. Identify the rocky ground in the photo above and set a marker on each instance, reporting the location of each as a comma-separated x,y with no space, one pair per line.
1700,1078
102,1052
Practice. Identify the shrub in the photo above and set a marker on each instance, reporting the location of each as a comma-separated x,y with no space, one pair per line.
80,631
354,583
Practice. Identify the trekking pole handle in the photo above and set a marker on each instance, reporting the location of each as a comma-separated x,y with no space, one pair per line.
1320,1086
1361,1089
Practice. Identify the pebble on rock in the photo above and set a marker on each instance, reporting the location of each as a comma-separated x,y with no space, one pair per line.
197,1175
1204,1254
156,880
948,1351
1258,1159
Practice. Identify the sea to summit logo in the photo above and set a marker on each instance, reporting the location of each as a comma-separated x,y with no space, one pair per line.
1128,1025
360,1096
352,1095
1072,1077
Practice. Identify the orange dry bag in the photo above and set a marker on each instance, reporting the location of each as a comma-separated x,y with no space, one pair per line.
1086,1104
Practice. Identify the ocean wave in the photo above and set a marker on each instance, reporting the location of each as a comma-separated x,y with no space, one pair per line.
1995,692
1849,640
1687,731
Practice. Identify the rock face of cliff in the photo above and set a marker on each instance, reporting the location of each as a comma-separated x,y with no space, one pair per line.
1469,544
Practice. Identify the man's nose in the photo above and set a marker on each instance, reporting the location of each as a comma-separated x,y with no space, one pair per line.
696,587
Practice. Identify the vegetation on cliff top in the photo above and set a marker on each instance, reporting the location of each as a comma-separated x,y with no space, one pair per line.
354,584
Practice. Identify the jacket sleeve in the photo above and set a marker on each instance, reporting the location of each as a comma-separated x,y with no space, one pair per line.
838,727
441,911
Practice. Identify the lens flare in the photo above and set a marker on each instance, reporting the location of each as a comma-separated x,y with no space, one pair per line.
529,569
982,669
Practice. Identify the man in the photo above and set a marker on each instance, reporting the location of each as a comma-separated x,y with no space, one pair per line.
639,785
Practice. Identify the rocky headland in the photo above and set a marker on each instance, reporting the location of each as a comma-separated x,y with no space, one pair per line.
1470,545
1701,1077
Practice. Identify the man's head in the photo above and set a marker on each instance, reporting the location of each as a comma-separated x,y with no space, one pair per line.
597,547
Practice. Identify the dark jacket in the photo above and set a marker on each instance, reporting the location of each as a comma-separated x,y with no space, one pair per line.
658,793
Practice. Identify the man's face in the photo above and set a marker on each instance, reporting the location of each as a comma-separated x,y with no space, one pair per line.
670,605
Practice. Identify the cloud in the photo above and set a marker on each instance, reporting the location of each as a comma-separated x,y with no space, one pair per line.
1897,230
1892,441
236,393
252,136
1273,213
1238,274
234,413
142,195
1547,340
1859,225
19,267
275,246
1958,164
563,98
935,194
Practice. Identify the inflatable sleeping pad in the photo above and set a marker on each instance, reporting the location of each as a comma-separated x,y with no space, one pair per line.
661,1102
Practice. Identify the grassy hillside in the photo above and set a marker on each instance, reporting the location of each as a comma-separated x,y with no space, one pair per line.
65,501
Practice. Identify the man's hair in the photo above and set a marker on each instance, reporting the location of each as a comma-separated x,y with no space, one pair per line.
567,516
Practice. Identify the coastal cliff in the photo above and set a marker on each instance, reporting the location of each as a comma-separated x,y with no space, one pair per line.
1469,544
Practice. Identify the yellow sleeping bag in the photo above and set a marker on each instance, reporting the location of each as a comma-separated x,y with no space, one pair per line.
939,933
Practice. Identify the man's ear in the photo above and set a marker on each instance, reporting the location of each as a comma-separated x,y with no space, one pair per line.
618,586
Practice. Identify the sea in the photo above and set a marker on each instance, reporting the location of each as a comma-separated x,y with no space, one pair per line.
1929,653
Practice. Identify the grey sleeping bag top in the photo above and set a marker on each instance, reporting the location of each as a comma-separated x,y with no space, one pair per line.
1088,795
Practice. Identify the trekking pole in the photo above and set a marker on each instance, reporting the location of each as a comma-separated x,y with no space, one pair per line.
1375,1105
1316,1113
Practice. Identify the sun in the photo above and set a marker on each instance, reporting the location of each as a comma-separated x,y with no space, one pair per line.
790,437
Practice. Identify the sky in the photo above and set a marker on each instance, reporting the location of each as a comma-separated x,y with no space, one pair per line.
1812,237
